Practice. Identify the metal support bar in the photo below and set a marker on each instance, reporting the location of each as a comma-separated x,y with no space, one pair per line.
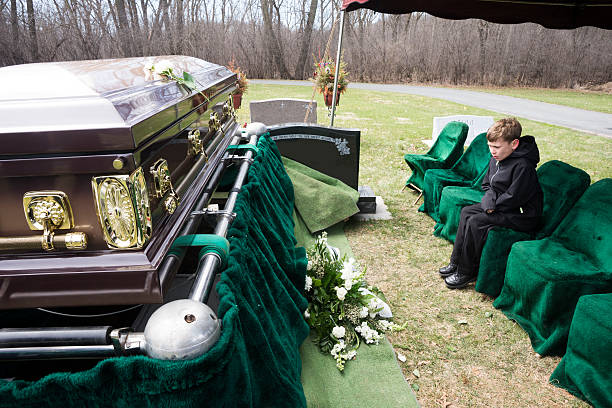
334,95
49,336
205,274
172,262
54,352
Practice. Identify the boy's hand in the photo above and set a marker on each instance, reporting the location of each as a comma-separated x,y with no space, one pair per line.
490,211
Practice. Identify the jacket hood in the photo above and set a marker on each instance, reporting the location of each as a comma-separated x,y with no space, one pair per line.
528,149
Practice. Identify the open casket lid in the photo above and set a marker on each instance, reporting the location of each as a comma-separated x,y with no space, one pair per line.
97,105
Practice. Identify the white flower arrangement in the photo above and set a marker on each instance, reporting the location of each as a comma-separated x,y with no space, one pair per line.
342,308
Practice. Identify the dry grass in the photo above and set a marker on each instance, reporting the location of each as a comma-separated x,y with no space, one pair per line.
486,360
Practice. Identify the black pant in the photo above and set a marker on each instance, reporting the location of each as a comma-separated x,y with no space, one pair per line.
474,225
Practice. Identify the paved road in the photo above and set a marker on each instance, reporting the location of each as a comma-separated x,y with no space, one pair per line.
573,118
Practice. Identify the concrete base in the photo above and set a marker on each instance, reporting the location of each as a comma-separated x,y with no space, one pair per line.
367,200
380,214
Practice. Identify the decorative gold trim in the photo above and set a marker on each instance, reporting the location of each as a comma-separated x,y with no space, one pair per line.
195,142
140,196
161,177
124,212
116,212
214,123
118,163
47,209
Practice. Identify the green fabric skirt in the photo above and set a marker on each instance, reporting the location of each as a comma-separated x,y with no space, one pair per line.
256,362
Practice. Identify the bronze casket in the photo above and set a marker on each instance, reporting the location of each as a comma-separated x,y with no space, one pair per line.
100,167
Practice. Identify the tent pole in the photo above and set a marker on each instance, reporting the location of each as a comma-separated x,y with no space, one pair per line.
340,34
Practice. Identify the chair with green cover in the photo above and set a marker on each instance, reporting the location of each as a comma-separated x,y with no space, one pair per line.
585,369
471,166
452,201
562,185
545,278
445,151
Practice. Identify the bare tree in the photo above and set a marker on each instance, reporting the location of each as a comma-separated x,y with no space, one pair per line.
32,30
15,33
276,51
305,46
267,37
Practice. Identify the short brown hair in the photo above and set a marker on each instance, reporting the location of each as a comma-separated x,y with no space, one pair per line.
506,129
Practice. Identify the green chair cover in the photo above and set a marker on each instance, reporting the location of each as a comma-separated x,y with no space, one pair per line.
545,278
471,166
452,201
256,361
446,150
562,185
585,370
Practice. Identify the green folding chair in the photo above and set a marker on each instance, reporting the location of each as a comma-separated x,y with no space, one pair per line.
445,151
471,166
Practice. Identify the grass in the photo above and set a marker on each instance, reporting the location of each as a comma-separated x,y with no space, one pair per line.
488,361
589,100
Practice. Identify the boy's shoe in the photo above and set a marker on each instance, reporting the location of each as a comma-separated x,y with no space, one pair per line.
459,280
448,270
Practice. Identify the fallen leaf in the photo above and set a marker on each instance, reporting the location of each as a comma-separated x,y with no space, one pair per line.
462,321
416,373
488,314
401,357
415,387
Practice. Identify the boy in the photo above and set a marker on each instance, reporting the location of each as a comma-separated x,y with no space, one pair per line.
513,199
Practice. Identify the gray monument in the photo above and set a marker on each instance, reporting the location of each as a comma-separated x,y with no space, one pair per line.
283,110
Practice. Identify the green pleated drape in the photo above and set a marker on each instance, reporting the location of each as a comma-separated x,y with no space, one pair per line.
256,362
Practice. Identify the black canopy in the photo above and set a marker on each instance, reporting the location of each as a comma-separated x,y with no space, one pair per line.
548,13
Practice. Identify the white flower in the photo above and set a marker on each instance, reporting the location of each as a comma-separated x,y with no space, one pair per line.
351,354
338,331
163,66
306,314
341,292
309,266
337,349
157,70
370,335
363,313
308,284
375,306
347,271
385,325
348,284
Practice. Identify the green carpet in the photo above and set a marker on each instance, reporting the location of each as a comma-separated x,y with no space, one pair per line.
373,379
321,200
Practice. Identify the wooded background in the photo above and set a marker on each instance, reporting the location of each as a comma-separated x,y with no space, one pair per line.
283,38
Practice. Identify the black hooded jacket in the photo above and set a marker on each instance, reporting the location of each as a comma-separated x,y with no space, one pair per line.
511,186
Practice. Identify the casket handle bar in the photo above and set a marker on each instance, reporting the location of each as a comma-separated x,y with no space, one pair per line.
47,241
87,342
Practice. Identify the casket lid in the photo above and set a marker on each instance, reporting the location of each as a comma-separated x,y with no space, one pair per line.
97,105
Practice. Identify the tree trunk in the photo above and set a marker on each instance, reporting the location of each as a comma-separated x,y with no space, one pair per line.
145,27
272,40
123,28
15,51
178,39
483,33
301,63
32,30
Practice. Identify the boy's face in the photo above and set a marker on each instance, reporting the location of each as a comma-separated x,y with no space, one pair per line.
500,149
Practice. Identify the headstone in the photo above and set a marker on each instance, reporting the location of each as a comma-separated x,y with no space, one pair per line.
332,151
283,110
477,124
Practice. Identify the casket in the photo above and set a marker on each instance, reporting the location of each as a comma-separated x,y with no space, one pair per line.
100,167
